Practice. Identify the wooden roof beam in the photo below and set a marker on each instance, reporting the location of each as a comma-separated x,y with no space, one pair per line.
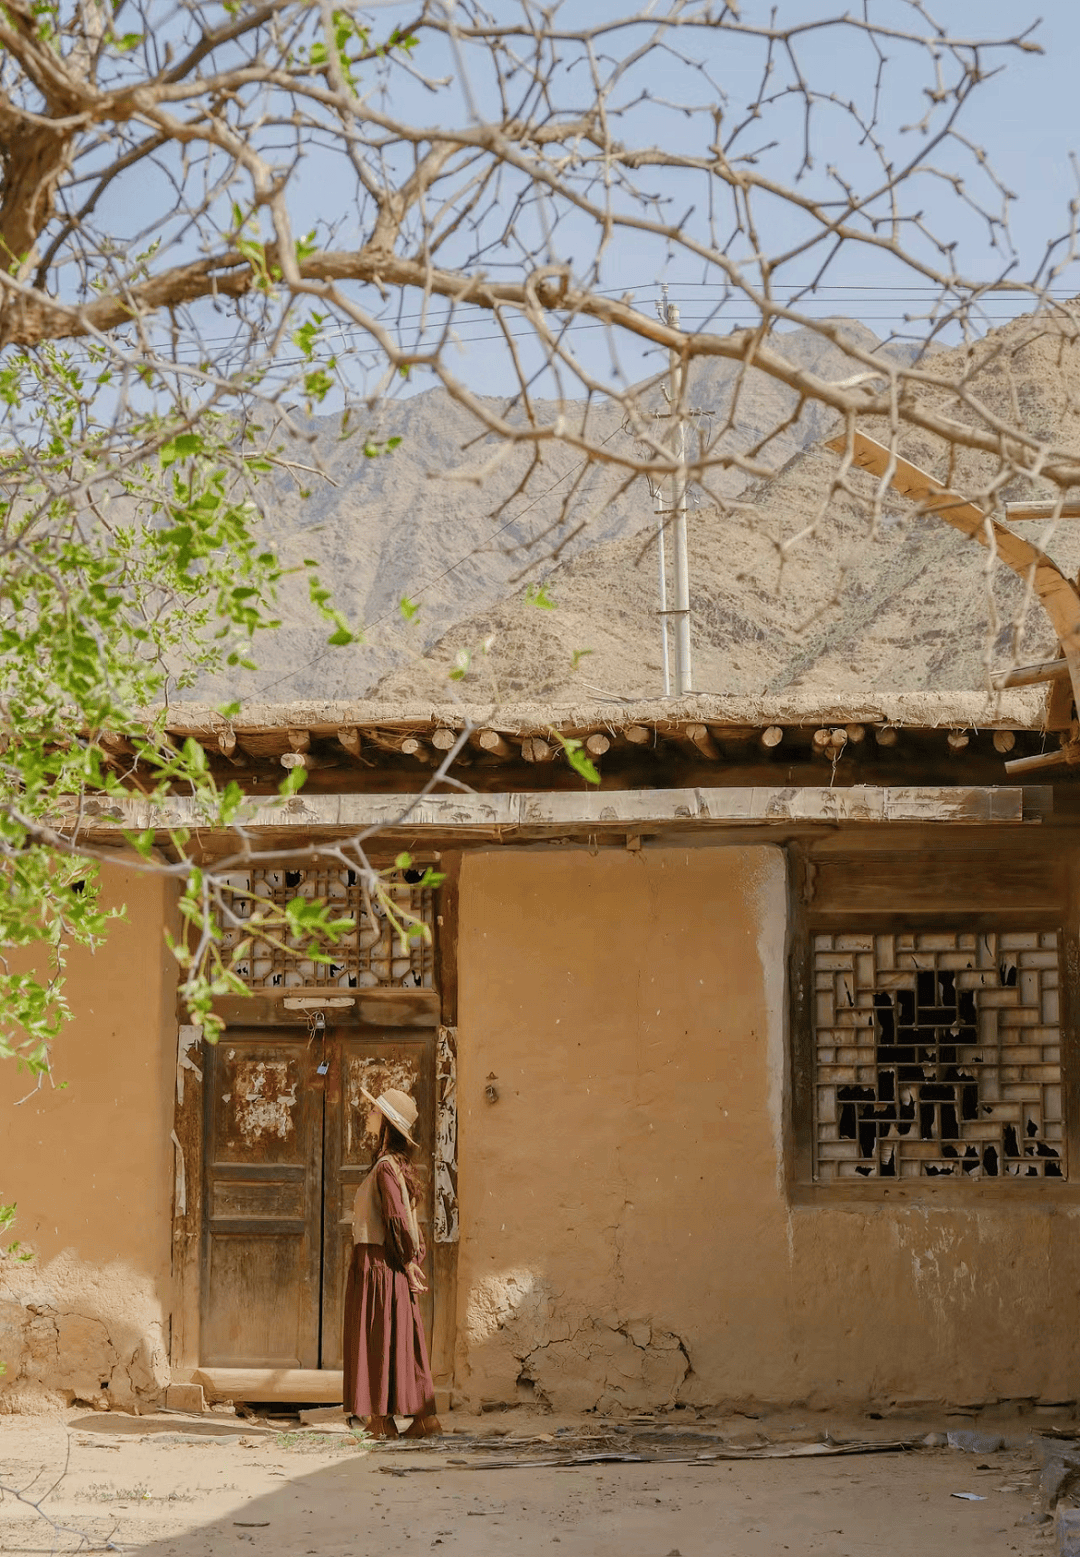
1031,675
700,739
349,739
307,760
1041,510
493,743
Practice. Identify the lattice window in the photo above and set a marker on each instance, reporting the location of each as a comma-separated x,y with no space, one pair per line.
937,1055
371,956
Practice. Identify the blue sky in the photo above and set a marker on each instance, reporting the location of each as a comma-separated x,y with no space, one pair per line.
1025,118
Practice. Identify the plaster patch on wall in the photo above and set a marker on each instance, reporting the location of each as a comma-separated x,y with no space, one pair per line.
600,1368
942,1277
56,1355
539,1343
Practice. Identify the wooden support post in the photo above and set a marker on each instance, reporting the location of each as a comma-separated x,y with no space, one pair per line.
771,736
957,740
443,739
855,733
597,744
638,734
299,740
349,740
535,749
886,735
413,746
698,735
1004,740
492,742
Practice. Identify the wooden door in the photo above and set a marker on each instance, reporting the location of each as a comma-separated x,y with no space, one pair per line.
263,1179
374,1061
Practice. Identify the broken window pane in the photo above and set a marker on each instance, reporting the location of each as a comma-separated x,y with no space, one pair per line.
937,1055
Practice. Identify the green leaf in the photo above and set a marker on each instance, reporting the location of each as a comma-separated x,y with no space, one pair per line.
537,595
577,756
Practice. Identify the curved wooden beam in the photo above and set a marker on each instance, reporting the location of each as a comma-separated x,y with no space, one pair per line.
1057,593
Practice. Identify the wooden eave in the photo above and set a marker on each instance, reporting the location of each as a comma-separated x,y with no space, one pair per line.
402,755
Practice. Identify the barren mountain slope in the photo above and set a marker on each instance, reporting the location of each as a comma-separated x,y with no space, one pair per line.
409,524
911,607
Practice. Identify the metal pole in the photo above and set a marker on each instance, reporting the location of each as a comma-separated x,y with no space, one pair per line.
661,546
665,651
681,557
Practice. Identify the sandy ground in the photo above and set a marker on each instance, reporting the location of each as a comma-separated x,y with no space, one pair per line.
176,1488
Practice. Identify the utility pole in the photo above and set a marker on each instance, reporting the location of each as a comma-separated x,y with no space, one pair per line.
680,550
662,308
676,511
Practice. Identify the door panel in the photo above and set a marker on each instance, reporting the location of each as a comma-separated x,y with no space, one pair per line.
375,1061
263,1183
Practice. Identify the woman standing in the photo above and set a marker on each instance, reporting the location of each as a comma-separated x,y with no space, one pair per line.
387,1373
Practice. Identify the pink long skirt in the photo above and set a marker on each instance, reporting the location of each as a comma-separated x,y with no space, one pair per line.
387,1372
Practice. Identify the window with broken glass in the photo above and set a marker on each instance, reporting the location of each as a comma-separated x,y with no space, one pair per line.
937,1054
373,955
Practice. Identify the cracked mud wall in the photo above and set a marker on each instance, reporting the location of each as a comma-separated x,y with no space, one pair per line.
91,1167
627,1238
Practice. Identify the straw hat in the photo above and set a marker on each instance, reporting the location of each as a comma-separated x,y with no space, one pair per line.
398,1107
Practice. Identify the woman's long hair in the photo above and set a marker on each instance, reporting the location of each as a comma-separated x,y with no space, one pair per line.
393,1143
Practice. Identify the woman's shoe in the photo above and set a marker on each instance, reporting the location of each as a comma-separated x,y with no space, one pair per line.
423,1427
382,1427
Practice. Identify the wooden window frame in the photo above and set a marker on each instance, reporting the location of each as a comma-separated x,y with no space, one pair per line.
809,918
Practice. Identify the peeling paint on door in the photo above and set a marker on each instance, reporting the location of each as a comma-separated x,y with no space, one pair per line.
264,1097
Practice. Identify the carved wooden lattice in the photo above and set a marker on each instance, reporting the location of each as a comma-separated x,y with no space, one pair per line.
370,956
938,1055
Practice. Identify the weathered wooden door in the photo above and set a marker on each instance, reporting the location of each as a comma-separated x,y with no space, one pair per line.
285,1147
263,1183
375,1062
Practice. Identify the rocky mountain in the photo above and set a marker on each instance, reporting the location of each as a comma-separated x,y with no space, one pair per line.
461,525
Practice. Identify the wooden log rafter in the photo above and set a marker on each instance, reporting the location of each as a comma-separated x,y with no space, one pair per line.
307,760
493,743
350,740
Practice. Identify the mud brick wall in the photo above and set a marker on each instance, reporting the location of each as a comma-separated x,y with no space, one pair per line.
90,1164
629,1233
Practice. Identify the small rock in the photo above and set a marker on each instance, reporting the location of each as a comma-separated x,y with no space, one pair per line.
975,1443
935,1440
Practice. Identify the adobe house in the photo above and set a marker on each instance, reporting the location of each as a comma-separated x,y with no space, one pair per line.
751,1075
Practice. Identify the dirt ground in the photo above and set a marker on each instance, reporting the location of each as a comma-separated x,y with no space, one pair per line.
173,1486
